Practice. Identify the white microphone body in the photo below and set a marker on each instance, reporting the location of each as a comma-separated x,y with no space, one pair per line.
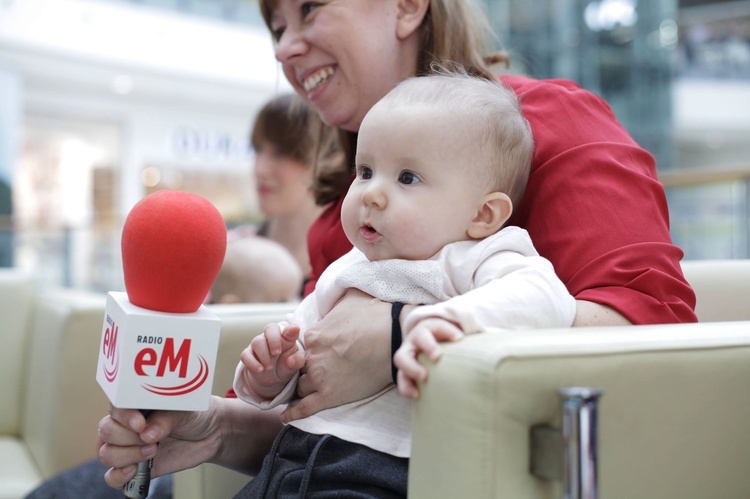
151,360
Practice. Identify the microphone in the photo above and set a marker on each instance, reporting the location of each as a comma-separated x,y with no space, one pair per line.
159,343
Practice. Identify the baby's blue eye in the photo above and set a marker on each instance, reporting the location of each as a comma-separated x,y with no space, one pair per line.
408,178
365,173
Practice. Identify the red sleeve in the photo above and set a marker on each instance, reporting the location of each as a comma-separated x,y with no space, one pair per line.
594,207
326,242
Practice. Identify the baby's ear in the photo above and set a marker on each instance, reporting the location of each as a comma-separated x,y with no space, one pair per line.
494,210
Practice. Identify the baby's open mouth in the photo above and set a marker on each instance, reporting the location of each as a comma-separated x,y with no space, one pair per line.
368,233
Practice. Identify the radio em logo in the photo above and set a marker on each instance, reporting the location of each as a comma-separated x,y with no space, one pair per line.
150,363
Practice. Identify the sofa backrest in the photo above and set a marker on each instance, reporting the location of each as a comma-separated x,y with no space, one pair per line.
17,294
63,402
721,287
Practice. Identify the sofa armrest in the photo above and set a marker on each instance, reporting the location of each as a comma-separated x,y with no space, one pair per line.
673,420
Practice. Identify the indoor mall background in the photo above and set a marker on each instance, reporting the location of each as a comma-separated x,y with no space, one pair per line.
105,101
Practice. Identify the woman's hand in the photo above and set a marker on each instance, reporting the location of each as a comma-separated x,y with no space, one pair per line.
127,438
348,355
230,433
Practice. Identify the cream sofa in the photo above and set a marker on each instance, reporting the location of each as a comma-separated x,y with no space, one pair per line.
674,418
50,402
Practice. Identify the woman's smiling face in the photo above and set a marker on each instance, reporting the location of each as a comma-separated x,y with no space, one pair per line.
342,56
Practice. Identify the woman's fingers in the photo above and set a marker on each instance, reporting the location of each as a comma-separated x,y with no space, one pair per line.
121,432
117,456
118,477
131,419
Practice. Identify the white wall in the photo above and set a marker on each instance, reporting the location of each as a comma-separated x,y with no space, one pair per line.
152,73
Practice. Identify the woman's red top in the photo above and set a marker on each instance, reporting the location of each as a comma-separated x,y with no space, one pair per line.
593,207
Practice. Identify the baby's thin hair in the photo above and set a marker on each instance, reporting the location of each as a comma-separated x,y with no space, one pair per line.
488,110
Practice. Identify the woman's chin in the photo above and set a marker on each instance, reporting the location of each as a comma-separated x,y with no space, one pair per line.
334,119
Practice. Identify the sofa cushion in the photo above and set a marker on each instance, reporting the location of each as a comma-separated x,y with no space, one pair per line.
16,300
19,472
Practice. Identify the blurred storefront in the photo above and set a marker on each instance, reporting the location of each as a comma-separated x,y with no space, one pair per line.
677,75
115,100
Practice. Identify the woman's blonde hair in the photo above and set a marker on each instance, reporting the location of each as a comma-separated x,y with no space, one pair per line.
454,32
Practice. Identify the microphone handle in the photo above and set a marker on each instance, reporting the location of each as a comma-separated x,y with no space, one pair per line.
138,487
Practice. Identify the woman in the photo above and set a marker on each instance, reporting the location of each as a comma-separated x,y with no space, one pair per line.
593,207
283,138
284,150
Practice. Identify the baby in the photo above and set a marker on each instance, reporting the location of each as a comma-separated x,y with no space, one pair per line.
440,162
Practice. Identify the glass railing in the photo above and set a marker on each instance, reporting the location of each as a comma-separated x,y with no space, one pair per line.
710,211
69,257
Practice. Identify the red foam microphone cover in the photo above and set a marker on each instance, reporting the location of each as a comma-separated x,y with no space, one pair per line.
173,245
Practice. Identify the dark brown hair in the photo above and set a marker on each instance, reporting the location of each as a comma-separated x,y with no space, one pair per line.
285,123
289,125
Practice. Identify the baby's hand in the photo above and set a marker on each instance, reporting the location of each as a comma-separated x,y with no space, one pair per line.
272,359
424,337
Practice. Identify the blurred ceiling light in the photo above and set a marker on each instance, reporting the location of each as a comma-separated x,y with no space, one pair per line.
150,176
668,33
122,84
606,15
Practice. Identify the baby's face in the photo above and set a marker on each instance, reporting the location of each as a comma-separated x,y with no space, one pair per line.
417,188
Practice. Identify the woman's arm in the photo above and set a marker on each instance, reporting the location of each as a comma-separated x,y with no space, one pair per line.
347,354
589,313
595,208
230,433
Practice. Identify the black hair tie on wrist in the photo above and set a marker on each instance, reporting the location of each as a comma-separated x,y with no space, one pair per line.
395,334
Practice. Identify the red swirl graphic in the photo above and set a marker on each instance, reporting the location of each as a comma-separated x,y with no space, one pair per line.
110,375
190,386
